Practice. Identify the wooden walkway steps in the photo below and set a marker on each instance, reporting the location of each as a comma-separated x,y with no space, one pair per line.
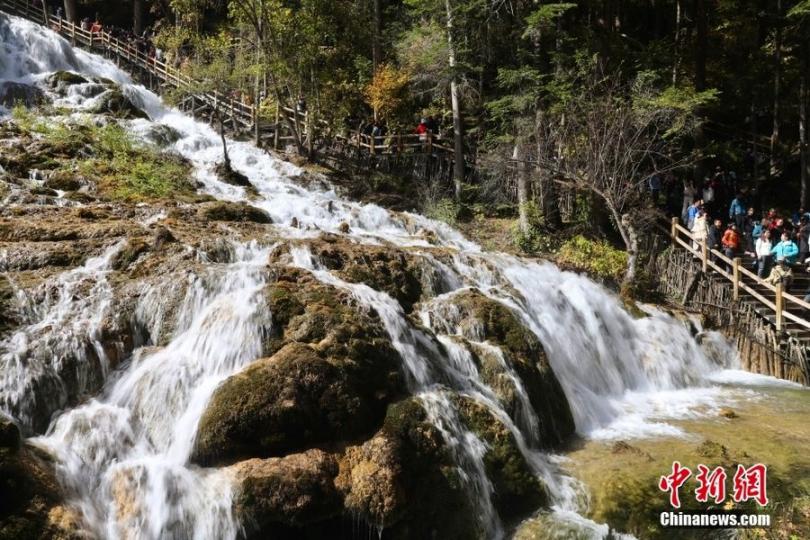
783,307
238,117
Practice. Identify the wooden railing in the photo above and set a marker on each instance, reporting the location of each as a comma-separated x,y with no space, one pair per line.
782,301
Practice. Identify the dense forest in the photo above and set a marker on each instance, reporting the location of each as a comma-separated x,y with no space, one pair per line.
592,97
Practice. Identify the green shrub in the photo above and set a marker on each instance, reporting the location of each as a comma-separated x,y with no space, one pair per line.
125,169
598,258
446,210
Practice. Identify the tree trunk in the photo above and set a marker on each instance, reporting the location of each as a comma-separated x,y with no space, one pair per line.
226,159
630,237
71,13
701,45
522,189
676,63
805,161
137,17
455,103
777,83
376,47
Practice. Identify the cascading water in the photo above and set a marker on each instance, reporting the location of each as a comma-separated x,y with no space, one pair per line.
123,456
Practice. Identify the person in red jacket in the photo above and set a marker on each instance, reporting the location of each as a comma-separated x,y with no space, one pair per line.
731,241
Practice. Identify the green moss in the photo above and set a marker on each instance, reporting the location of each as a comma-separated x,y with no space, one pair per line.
524,352
517,490
232,211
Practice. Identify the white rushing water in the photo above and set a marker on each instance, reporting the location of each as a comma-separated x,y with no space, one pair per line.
123,456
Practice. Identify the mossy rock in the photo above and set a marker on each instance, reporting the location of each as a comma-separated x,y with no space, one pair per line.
282,497
232,211
7,317
436,502
30,497
231,176
63,181
163,135
14,93
518,492
292,401
480,318
388,269
129,253
62,79
115,103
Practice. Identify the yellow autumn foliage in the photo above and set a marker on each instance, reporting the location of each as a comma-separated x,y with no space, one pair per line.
384,92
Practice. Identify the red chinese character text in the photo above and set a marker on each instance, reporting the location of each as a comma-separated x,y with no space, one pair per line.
674,481
710,484
751,483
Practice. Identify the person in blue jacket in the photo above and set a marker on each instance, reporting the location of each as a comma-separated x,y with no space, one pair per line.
737,212
786,249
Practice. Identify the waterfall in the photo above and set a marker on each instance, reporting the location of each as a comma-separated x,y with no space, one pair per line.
123,455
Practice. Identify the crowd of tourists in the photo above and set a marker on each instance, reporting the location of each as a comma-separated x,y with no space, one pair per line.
776,245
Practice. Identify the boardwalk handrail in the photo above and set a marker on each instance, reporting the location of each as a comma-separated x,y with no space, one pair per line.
681,236
244,113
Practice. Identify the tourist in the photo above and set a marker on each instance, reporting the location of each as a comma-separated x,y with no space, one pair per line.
86,24
432,125
422,129
688,198
700,230
731,241
781,273
804,238
750,224
786,249
763,253
692,211
60,13
737,211
715,234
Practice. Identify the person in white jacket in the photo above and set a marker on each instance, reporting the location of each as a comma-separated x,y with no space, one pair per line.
763,251
700,229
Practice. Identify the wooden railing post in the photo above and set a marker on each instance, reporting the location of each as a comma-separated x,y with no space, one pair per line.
779,301
372,142
429,142
704,254
674,230
735,274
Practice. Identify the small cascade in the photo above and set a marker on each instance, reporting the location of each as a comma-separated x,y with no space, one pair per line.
60,348
123,456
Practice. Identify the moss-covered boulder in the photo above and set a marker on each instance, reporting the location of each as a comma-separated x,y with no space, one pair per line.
292,401
232,211
389,269
518,491
281,497
63,181
331,373
31,504
14,93
63,79
113,102
405,480
480,319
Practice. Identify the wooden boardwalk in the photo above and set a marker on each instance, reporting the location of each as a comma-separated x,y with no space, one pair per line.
239,117
784,308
